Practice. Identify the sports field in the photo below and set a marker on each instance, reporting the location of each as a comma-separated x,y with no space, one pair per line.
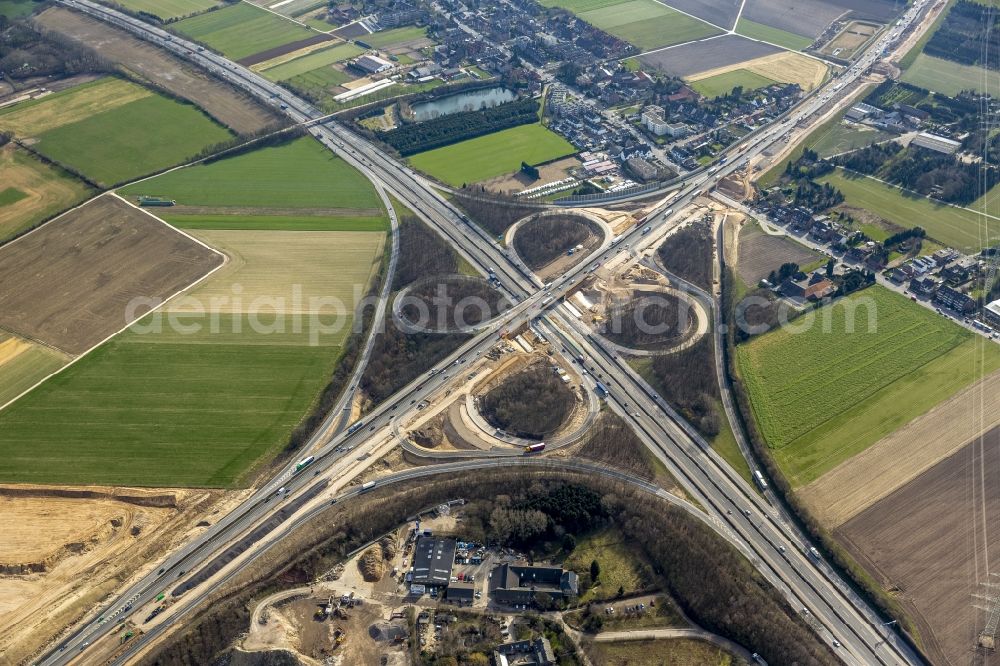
296,175
768,33
956,227
167,409
492,155
33,190
723,84
950,78
645,23
169,9
242,29
311,61
22,363
823,391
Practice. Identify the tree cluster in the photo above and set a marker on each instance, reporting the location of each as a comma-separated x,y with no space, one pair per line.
870,159
533,403
27,52
413,138
543,239
970,35
422,253
648,320
398,358
688,254
493,212
687,380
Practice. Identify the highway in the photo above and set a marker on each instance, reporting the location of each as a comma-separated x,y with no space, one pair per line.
762,533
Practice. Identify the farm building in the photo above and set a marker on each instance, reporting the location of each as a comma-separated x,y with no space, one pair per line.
519,584
936,143
991,313
809,287
373,64
859,112
432,560
525,653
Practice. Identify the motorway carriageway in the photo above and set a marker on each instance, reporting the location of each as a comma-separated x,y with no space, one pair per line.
396,178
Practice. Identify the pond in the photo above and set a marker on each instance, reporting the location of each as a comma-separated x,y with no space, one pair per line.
473,100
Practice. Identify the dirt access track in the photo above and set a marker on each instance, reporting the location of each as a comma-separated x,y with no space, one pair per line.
69,283
65,549
236,111
934,541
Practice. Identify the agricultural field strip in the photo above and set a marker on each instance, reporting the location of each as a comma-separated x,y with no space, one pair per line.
78,357
66,107
800,401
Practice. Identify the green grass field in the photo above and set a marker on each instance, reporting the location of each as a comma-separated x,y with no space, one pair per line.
956,227
320,81
276,222
826,393
645,23
492,155
616,557
686,651
11,195
298,174
128,141
773,35
24,363
723,84
17,8
950,78
46,189
386,38
842,138
240,30
169,9
311,61
165,409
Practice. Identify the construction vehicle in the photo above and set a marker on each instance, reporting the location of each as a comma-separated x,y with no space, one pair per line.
338,636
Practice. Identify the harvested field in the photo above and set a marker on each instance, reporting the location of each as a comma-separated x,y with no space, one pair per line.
930,538
297,175
44,190
22,364
242,30
717,12
268,268
810,18
784,67
169,9
233,109
352,31
860,482
722,53
761,253
68,283
291,47
387,38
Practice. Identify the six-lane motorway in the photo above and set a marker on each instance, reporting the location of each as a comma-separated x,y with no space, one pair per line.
763,532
